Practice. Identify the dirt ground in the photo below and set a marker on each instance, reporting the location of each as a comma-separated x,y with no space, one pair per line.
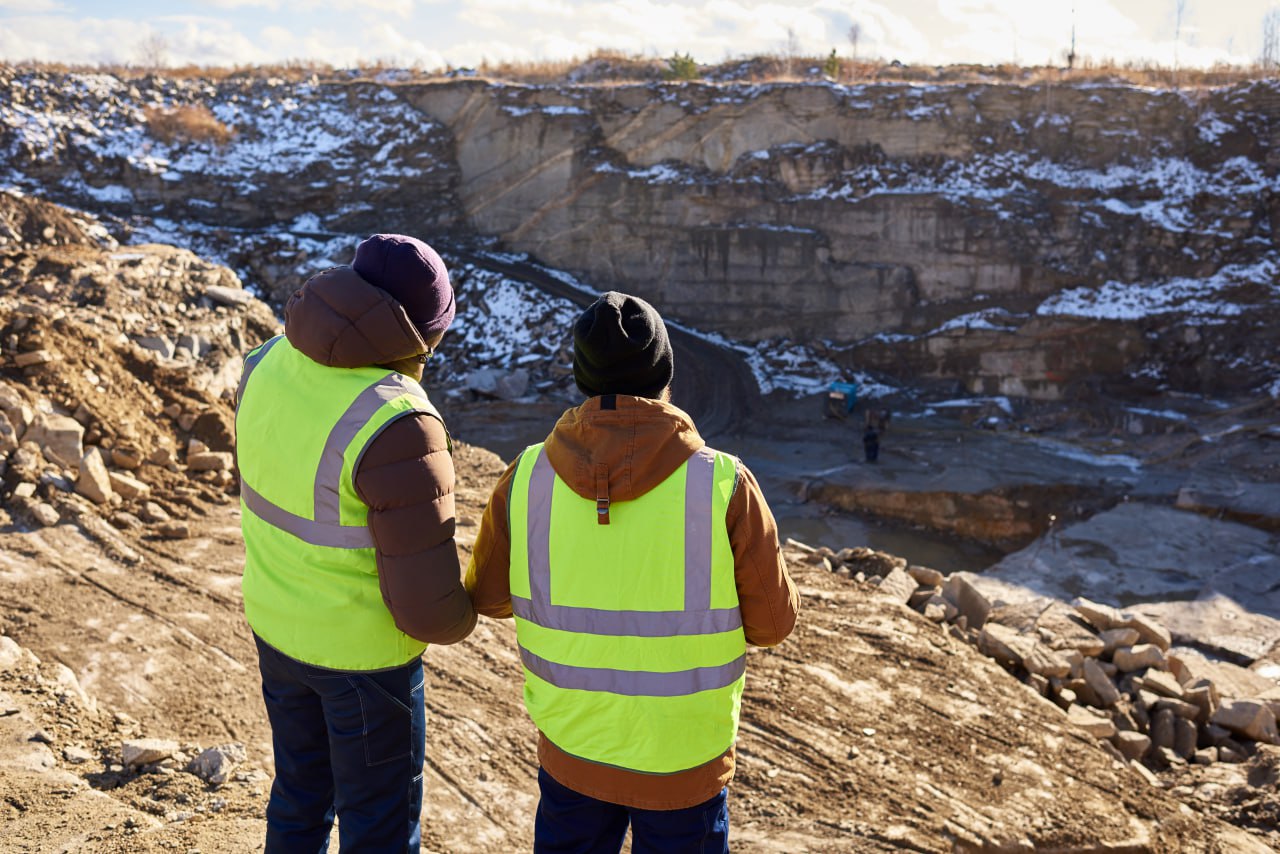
869,730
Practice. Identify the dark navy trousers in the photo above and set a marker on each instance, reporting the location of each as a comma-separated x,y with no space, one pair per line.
572,823
346,743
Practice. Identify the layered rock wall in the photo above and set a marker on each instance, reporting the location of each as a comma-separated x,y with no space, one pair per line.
1038,241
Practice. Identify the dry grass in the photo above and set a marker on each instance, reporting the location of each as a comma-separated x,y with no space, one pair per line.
189,123
609,67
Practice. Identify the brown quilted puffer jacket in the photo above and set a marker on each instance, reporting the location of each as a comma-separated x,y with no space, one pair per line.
406,474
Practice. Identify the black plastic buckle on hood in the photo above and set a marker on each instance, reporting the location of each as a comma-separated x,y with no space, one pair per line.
602,494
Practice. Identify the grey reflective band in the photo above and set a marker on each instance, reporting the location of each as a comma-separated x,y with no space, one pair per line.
326,528
632,683
329,469
250,362
698,484
698,618
641,624
307,530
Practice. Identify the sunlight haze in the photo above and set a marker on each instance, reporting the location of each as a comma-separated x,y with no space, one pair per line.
436,35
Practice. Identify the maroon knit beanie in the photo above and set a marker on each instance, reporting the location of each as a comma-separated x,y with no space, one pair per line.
413,274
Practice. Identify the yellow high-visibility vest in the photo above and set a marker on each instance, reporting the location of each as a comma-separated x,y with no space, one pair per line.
629,632
310,577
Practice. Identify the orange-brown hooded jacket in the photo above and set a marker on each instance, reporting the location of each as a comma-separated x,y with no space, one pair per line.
642,441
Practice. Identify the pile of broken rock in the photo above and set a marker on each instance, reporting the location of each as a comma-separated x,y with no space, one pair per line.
1113,673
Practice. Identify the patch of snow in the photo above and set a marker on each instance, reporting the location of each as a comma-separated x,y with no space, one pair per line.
1082,455
110,194
1211,127
960,403
1202,298
1170,414
986,319
659,173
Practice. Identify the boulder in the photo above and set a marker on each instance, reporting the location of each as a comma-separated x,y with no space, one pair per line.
1104,690
215,764
1102,617
210,461
8,435
1098,726
898,585
94,483
971,604
1113,639
1132,745
1148,628
939,609
1046,662
126,457
146,751
34,357
1250,718
60,437
1162,683
45,514
128,487
492,382
1003,643
1162,728
926,576
1231,681
1130,658
175,530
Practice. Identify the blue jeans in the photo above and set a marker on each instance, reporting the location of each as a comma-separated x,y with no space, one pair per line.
571,823
350,743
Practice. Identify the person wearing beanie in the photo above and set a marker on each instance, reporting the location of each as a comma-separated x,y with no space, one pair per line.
351,569
638,564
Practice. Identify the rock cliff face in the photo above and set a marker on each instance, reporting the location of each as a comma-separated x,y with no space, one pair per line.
1039,241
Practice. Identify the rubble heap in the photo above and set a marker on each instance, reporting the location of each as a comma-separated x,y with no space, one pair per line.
1113,673
89,331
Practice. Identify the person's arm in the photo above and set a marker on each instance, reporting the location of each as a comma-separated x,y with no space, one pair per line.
489,573
767,596
406,477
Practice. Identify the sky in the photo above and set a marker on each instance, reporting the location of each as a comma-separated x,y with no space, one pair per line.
440,34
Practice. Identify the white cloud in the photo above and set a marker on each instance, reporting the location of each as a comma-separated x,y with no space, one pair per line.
403,8
32,7
436,33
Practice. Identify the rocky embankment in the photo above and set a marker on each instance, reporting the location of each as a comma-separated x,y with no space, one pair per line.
1112,671
118,364
1048,241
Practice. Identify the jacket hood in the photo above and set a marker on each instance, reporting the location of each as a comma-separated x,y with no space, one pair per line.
340,320
635,445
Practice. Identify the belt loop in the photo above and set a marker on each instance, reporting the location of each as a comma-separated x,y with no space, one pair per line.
602,494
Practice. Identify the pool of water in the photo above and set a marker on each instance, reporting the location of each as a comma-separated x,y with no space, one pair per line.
842,530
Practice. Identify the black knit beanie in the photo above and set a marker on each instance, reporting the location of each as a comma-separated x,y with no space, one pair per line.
620,346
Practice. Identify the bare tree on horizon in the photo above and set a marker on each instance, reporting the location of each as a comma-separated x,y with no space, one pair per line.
1269,58
153,51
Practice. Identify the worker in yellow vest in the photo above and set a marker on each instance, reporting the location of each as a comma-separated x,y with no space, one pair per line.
351,569
638,564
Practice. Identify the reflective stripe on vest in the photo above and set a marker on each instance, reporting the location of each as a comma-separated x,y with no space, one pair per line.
652,689
326,529
697,617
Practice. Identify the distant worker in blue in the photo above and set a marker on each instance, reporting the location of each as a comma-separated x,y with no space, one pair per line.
351,567
871,442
